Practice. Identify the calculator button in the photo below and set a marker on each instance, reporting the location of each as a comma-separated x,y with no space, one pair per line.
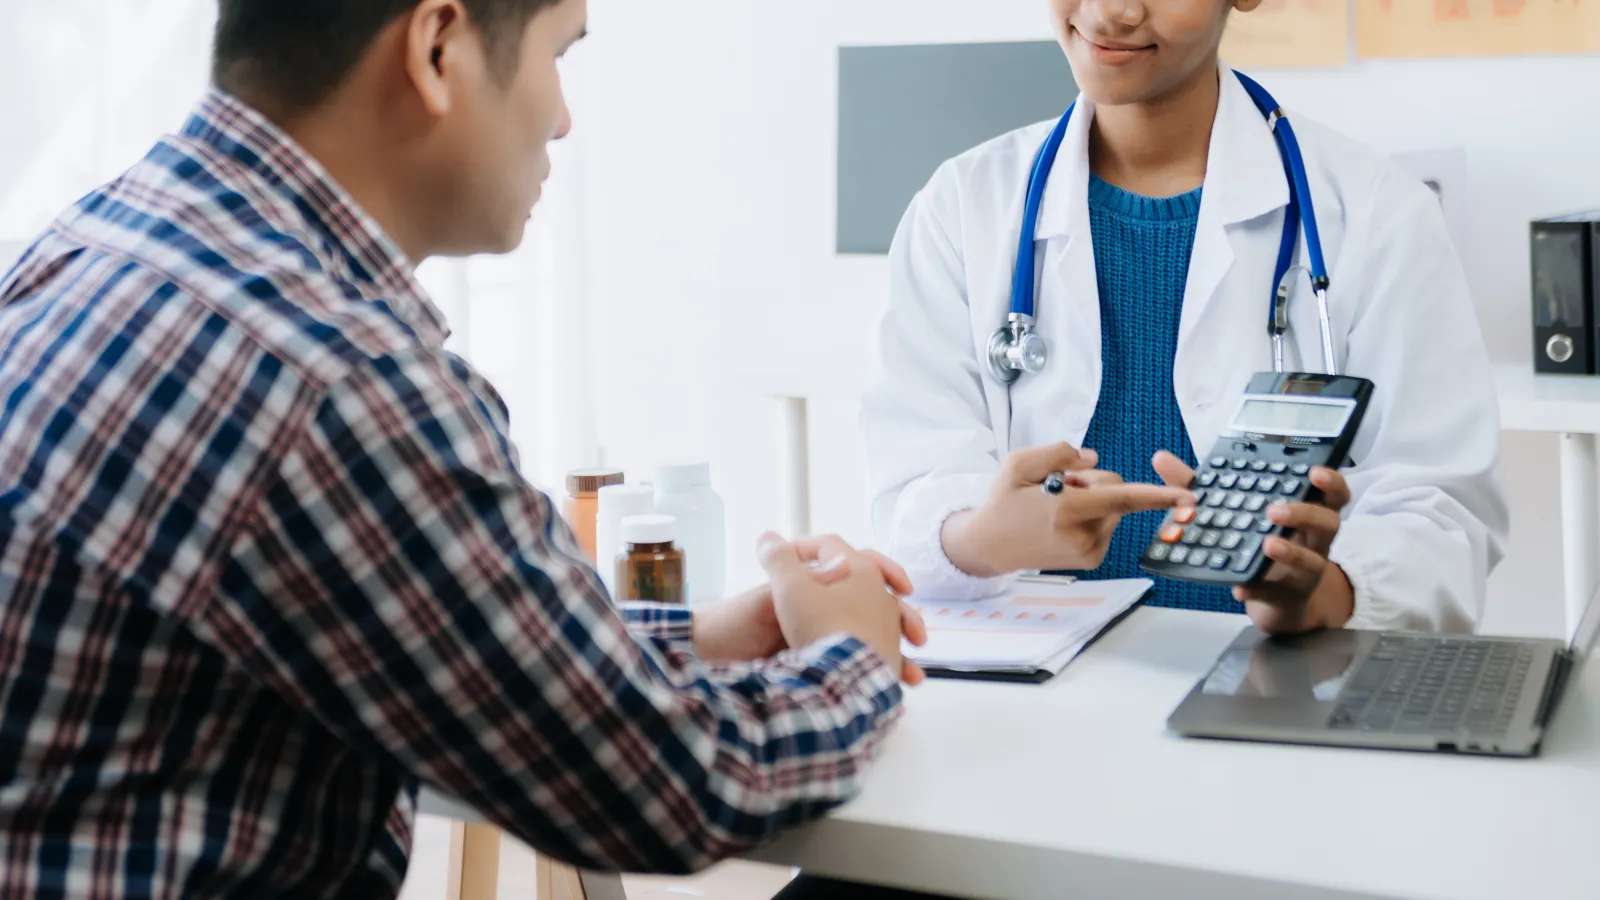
1244,522
1191,536
1172,534
1215,499
1183,515
1205,518
1228,481
1218,462
1158,553
1199,558
1256,503
1232,541
1180,555
1259,465
1279,468
1219,561
1266,484
1199,497
1211,539
1240,462
1242,562
1301,469
1223,519
1234,501
1247,483
1206,479
1264,525
1291,486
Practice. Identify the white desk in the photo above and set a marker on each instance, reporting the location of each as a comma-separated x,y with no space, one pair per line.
1570,406
1076,789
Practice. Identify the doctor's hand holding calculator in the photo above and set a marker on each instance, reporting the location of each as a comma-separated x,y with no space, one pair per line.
1260,515
1268,502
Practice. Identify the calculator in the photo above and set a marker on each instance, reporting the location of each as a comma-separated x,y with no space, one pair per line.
1285,425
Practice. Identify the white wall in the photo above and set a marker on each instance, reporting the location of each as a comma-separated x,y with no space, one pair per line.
707,131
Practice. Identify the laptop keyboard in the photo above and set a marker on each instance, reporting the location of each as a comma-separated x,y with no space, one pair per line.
1429,684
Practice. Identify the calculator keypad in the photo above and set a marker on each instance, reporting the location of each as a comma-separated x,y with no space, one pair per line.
1224,531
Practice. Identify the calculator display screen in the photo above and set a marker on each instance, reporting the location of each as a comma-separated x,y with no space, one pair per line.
1271,416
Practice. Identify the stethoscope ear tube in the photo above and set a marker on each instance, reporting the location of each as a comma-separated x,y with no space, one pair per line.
1297,216
1014,348
1022,286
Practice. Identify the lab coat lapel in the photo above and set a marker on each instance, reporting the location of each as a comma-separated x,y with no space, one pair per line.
1069,302
1244,181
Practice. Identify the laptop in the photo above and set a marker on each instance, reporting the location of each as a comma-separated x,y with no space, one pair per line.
1387,690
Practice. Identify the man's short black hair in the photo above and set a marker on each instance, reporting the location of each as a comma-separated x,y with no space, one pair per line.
295,52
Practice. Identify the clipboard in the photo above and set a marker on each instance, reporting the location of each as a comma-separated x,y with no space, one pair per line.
1102,606
1037,676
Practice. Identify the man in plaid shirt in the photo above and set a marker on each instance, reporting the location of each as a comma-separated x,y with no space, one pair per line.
268,561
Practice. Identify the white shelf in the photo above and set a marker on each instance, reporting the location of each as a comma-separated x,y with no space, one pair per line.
1554,403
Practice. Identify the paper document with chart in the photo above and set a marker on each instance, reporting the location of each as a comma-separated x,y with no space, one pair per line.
1029,633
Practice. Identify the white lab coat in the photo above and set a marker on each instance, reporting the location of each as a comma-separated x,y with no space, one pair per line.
1429,518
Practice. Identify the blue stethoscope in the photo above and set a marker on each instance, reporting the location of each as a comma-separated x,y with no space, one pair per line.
1017,348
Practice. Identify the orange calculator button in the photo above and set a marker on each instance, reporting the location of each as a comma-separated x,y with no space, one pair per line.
1183,515
1171,534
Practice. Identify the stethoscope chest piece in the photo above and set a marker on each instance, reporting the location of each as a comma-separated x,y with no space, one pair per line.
1015,348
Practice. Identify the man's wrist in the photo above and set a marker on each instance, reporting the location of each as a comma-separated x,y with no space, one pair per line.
741,628
711,634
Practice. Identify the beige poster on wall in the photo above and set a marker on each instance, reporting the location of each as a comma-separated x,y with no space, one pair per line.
1400,29
1290,34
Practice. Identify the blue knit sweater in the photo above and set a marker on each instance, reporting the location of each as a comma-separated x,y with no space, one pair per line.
1141,254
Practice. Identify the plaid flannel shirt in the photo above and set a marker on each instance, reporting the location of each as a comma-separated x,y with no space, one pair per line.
269,564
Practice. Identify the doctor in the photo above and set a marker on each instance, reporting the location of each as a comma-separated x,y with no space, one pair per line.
1158,232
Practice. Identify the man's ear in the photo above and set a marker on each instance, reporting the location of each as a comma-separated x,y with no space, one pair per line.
1246,5
436,38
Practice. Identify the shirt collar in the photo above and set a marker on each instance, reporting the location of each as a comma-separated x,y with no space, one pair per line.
240,133
1244,173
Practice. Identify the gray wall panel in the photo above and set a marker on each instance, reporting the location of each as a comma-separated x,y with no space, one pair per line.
904,110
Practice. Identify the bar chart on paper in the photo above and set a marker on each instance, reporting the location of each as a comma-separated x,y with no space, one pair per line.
1039,625
1417,29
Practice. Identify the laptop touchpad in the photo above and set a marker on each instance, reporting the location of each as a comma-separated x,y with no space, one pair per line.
1274,682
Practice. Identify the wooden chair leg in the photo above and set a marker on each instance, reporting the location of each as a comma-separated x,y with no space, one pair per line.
480,863
568,884
476,870
544,878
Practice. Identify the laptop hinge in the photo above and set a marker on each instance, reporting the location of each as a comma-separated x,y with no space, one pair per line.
1555,686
